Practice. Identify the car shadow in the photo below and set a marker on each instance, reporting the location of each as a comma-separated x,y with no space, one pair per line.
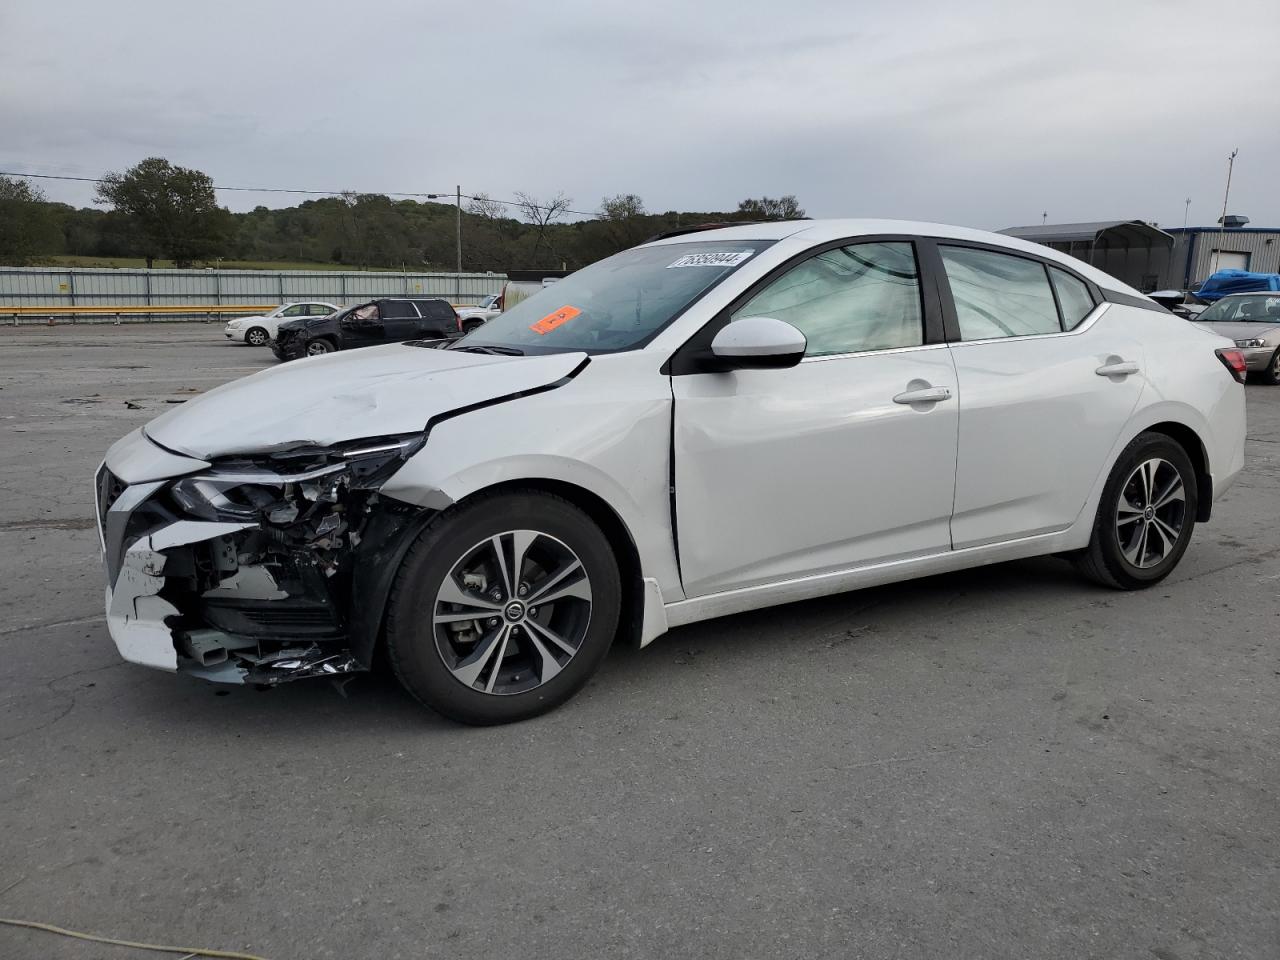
914,608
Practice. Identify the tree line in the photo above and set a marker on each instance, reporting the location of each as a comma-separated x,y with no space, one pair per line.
159,210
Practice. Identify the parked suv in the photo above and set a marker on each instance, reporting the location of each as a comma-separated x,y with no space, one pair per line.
389,320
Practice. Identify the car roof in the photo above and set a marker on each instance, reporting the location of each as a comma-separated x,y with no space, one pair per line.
821,231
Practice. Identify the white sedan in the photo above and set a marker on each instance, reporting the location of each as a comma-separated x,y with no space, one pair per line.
258,330
707,424
471,317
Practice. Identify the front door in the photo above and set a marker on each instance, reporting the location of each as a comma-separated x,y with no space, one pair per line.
844,460
362,327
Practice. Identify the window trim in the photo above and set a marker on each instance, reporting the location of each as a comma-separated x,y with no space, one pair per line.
1090,319
1062,317
951,319
685,360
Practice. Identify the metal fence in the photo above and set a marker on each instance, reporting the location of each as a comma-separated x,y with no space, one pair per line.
82,287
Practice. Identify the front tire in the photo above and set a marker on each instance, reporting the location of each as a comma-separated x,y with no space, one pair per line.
1272,373
472,325
318,348
503,608
1146,516
256,336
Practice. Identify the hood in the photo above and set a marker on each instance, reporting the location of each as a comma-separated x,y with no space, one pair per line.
1247,330
254,316
346,396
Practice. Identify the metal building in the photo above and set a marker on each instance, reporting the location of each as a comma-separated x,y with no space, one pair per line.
1149,258
1200,251
1133,251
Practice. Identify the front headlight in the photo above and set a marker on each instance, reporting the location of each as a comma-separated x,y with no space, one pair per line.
1253,342
278,488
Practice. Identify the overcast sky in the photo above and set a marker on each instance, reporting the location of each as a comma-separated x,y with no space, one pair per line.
979,113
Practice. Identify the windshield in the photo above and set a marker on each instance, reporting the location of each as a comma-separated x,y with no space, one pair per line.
617,304
1259,309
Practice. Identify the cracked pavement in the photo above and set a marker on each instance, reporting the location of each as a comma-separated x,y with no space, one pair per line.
998,763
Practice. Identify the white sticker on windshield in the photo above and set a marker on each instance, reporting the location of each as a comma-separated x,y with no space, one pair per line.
724,258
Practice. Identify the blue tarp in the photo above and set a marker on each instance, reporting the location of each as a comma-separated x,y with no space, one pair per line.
1237,281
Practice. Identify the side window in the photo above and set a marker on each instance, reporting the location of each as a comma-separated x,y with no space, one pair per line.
297,310
1073,297
319,310
998,295
396,310
865,296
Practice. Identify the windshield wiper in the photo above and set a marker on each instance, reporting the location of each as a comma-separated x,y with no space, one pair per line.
486,348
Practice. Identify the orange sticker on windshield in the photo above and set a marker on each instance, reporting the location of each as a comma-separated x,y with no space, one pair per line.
553,320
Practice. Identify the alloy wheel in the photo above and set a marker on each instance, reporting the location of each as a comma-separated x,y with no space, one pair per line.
512,612
256,337
316,348
1151,513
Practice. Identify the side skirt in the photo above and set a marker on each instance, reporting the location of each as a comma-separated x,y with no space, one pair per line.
840,581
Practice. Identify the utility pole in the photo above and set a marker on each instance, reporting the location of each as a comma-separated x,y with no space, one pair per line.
1186,212
457,294
1222,224
1044,218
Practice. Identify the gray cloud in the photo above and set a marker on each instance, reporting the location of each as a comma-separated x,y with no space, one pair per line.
984,113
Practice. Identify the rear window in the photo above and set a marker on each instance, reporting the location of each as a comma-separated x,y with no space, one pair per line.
397,309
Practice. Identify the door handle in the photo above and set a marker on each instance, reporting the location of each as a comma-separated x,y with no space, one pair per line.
1115,367
923,395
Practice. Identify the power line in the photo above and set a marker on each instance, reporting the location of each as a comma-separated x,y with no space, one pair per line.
441,194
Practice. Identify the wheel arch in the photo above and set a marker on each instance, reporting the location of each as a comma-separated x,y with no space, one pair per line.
1190,441
611,524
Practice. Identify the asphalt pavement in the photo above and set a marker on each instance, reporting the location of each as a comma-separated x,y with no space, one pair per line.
1007,762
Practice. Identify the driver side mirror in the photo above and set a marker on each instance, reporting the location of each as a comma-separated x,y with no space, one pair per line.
756,343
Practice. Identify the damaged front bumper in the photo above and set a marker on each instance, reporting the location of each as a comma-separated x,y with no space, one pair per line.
248,571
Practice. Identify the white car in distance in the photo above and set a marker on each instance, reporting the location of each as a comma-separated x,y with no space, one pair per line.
256,331
469,318
710,423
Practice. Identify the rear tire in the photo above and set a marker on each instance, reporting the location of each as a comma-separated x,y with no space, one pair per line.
1145,518
472,325
503,608
256,336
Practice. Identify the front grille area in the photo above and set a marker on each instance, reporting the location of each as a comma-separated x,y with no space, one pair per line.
272,619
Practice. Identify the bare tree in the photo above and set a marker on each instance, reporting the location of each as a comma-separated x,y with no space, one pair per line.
482,205
767,208
541,215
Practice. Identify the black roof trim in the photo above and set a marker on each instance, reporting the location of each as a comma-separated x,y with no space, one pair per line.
1129,300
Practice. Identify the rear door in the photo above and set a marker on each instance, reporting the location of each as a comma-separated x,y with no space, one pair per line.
1046,387
438,319
400,320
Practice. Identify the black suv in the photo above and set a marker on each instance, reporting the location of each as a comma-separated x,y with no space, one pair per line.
388,320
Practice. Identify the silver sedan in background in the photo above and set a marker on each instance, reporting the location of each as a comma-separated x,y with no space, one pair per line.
1252,320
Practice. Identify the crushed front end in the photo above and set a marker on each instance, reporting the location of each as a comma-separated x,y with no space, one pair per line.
248,569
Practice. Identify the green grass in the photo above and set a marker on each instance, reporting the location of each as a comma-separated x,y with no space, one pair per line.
139,262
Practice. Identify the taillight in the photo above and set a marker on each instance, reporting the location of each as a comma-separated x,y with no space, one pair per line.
1234,361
